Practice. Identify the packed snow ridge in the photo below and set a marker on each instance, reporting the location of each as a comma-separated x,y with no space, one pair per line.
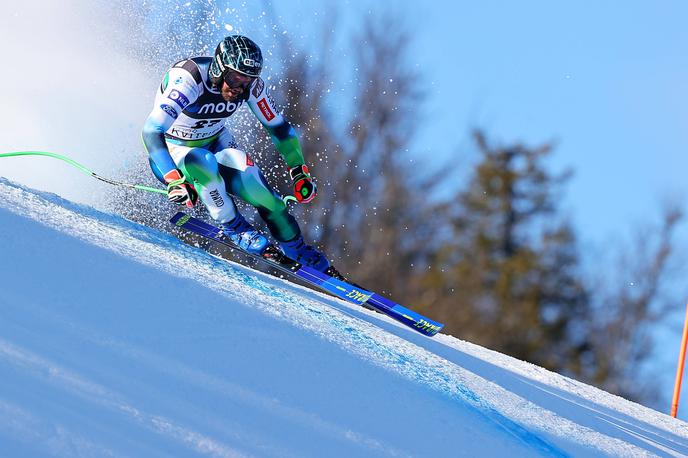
119,340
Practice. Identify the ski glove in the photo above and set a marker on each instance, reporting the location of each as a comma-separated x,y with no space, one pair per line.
178,191
304,188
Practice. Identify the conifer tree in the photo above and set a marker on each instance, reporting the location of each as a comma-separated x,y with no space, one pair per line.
508,277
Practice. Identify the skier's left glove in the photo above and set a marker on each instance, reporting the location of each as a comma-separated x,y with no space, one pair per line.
304,188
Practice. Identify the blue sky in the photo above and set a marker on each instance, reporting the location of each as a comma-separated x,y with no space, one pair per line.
606,81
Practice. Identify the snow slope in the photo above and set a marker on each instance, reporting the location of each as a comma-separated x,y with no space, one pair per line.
117,340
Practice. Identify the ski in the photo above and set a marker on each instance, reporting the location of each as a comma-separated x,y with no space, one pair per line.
338,287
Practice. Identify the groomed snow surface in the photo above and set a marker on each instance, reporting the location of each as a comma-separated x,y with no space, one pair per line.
118,340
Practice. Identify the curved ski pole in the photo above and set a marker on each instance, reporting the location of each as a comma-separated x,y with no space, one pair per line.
84,170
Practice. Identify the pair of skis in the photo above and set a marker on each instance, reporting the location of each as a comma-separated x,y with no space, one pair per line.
342,289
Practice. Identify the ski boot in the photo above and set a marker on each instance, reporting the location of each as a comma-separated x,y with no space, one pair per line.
297,250
245,236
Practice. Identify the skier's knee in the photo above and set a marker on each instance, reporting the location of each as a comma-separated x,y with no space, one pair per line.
199,165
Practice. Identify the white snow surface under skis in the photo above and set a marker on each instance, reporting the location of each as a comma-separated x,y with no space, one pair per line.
119,340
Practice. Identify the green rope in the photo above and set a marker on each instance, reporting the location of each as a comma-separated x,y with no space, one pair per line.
83,169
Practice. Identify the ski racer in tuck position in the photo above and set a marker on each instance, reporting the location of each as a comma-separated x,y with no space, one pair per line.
192,152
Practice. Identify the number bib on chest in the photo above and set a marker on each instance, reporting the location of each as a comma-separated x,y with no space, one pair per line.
203,118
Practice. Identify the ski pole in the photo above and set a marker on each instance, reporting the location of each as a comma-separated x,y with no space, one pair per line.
83,169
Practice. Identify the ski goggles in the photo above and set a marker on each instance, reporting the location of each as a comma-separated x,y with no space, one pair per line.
236,80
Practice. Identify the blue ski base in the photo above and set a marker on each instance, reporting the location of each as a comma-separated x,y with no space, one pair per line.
339,288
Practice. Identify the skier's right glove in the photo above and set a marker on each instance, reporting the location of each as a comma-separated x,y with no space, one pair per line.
178,191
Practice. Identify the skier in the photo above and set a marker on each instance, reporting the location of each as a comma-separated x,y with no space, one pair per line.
192,152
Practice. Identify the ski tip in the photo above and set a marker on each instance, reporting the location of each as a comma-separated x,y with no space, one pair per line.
436,331
429,328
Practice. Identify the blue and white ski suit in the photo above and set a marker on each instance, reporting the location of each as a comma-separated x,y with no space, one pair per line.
186,130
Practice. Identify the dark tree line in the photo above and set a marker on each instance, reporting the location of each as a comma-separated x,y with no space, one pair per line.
497,261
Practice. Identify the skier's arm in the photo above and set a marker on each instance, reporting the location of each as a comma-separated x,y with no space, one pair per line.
170,100
284,138
287,143
282,133
153,136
